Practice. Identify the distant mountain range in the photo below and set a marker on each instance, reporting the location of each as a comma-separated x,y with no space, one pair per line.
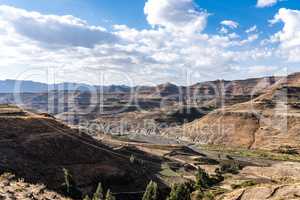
16,86
24,86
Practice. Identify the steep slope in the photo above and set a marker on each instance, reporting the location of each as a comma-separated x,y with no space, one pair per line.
268,121
36,148
221,92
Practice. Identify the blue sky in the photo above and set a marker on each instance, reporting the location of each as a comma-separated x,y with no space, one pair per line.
146,42
95,11
131,12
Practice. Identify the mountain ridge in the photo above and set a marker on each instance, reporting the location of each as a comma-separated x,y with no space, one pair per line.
268,121
29,86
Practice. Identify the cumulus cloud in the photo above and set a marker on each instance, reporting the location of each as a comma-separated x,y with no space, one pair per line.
149,56
230,24
289,36
54,30
265,3
176,15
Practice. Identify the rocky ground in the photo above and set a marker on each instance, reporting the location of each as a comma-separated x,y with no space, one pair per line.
276,182
12,188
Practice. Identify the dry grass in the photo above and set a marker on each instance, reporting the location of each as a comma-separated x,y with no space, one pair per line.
10,188
242,152
9,110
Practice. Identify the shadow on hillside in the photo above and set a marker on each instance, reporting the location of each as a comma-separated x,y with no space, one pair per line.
38,154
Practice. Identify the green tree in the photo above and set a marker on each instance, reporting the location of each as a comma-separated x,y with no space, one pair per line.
202,179
98,195
180,192
151,192
86,197
231,166
68,179
109,196
70,185
132,159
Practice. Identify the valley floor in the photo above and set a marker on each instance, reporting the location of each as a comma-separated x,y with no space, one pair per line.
262,175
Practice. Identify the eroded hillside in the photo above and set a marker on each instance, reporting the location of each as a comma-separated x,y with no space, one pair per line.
37,148
269,121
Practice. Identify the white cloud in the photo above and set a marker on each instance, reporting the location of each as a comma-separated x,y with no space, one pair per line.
262,70
289,36
54,30
251,29
233,36
230,24
252,38
147,56
265,3
176,15
224,30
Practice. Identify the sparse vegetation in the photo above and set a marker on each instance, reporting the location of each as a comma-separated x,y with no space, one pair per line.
7,106
69,184
132,159
201,195
200,190
230,166
204,180
98,195
286,149
216,191
109,196
86,197
151,191
244,184
15,188
180,192
251,153
167,171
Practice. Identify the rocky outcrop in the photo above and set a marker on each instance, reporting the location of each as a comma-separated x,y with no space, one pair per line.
266,122
265,192
279,181
10,188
